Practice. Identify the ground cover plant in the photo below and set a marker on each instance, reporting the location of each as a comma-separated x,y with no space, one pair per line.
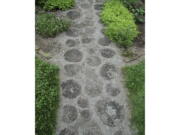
48,25
47,97
120,25
135,82
55,4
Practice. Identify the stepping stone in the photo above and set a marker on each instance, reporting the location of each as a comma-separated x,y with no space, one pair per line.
93,88
70,89
119,132
86,40
70,113
72,69
85,5
98,6
109,112
73,55
93,61
104,41
82,102
112,90
107,53
68,131
73,14
108,71
70,43
72,32
85,114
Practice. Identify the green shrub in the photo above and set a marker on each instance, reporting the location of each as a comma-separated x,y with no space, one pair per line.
135,82
120,23
136,7
48,25
41,2
59,4
47,97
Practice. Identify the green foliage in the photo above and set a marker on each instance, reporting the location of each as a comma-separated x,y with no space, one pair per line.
41,2
59,4
48,25
47,97
137,8
135,82
120,23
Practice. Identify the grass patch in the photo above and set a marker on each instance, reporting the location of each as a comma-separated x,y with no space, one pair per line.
120,25
48,25
47,97
135,82
59,4
55,4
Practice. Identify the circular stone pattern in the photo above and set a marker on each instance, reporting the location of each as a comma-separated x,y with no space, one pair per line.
107,53
104,41
72,69
73,55
90,128
112,90
70,89
85,114
70,113
109,112
93,88
68,131
118,132
82,102
93,61
72,32
70,43
98,6
108,71
73,14
86,40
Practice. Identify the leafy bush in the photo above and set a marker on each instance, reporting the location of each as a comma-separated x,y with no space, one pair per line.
137,8
48,25
59,4
47,97
41,2
135,82
120,23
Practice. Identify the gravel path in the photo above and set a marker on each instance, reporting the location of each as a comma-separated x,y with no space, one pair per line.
93,100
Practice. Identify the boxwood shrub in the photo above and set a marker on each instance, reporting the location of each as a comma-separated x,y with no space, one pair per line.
120,25
59,4
46,98
48,25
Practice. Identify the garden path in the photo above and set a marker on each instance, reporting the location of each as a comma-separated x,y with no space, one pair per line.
93,100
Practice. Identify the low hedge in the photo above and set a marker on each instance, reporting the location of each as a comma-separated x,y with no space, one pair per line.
48,25
135,82
120,25
47,97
